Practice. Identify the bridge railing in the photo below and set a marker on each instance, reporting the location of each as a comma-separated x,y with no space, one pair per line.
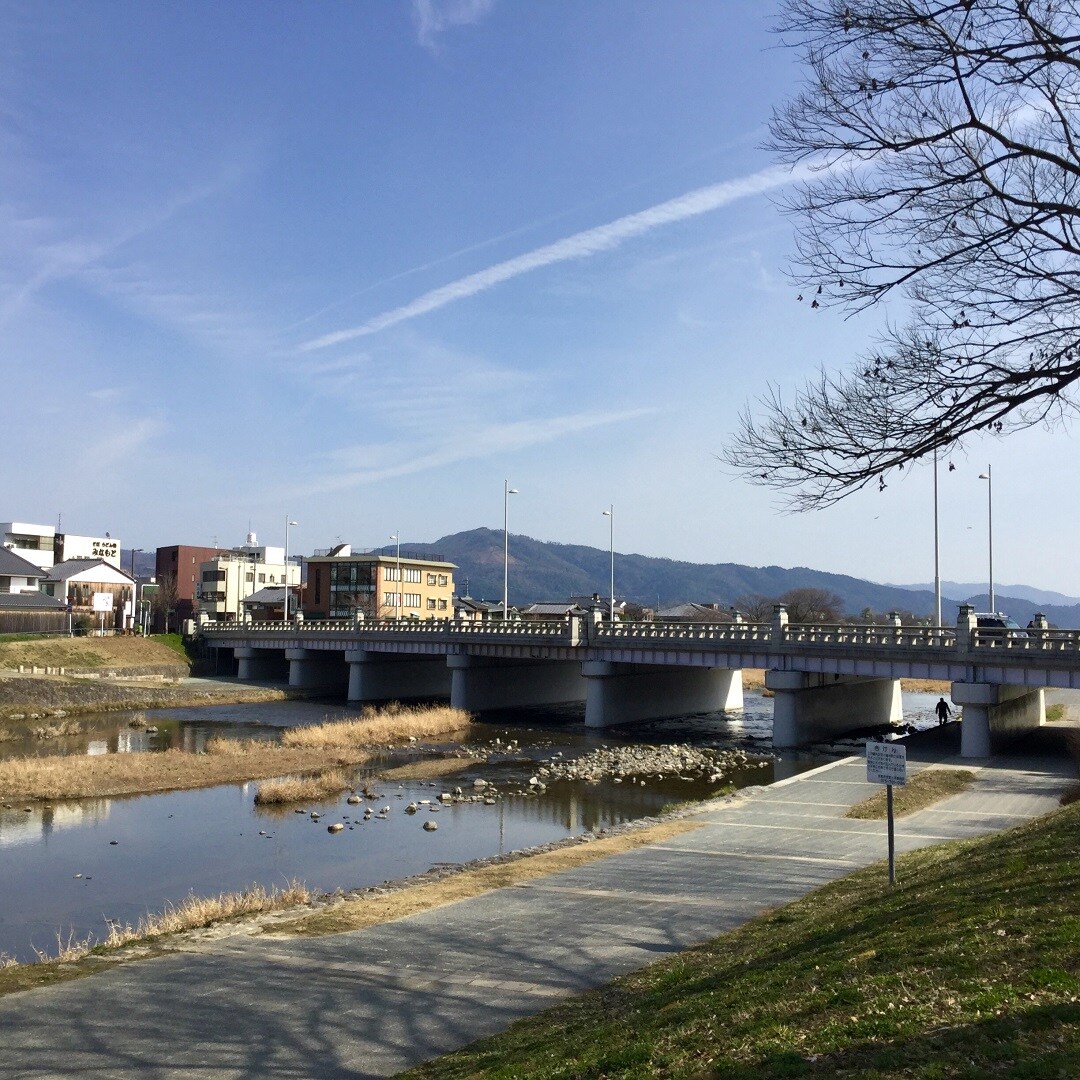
886,636
982,641
680,631
432,628
987,638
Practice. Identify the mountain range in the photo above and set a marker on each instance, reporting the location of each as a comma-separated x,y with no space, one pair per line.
541,570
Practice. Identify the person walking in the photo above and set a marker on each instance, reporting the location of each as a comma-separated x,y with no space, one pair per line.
943,711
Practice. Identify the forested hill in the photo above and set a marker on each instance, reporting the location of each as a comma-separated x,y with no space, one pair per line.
546,571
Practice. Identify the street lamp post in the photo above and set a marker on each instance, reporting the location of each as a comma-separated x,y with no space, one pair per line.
287,524
937,549
988,476
398,597
507,492
609,513
134,590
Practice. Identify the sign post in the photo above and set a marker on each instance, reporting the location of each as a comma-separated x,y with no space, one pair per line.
886,763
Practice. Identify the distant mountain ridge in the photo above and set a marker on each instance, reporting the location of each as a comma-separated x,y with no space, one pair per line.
956,590
541,570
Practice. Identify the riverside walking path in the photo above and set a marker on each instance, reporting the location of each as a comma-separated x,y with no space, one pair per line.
370,1003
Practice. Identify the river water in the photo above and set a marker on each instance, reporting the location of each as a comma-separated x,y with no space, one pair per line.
67,868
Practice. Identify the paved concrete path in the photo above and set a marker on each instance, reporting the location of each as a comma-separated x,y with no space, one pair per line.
373,1002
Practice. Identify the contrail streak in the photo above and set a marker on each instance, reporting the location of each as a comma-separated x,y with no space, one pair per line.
579,246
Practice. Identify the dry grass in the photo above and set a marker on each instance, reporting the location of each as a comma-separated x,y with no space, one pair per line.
926,686
193,913
393,723
90,653
294,789
58,730
171,770
227,761
922,790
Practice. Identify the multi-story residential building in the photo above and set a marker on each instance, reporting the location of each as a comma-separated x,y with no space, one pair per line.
229,577
341,585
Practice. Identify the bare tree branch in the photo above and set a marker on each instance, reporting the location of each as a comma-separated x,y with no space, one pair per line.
949,173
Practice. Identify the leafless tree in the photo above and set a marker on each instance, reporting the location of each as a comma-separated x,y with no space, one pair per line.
755,608
811,605
163,600
944,161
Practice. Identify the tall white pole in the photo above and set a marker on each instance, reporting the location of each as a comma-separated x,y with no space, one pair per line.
988,476
610,515
937,549
287,524
507,492
398,596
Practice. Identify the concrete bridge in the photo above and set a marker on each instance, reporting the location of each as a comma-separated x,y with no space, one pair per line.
826,679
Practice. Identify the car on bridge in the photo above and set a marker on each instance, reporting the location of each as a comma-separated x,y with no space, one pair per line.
997,620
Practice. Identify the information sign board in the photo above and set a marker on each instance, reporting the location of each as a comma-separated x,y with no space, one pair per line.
103,601
886,763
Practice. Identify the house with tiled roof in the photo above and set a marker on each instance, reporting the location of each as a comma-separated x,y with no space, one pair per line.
24,608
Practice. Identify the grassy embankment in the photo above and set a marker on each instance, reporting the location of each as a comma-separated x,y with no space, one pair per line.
316,749
106,674
969,968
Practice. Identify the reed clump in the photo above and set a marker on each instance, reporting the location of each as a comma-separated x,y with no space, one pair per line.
393,723
193,913
294,789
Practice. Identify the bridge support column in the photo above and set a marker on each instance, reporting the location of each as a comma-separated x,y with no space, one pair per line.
377,676
314,669
995,713
479,683
258,665
808,707
621,693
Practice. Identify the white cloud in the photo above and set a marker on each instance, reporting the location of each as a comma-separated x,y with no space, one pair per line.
353,466
581,245
432,17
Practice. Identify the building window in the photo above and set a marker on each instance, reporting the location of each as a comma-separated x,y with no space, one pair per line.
431,603
442,605
390,573
442,579
250,577
431,579
412,599
262,579
390,599
413,574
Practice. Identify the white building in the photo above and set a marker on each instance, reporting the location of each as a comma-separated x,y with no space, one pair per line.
45,547
35,543
229,579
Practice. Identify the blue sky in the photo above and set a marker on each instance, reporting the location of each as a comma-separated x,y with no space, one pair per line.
359,262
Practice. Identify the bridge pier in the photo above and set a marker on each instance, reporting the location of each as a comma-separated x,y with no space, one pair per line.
994,713
258,665
377,676
314,669
480,683
621,693
809,707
